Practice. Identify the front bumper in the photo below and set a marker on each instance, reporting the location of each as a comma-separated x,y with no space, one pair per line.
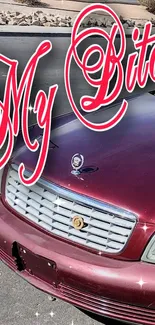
118,289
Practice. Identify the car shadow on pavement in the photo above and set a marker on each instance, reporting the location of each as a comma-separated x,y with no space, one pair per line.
101,319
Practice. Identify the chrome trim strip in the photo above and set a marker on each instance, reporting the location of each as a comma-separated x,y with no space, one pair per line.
87,201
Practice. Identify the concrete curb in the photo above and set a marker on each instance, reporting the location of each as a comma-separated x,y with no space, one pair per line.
124,2
33,30
52,31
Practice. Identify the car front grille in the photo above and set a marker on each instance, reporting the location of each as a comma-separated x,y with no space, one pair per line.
106,228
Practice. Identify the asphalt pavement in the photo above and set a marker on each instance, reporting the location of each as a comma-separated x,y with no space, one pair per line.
22,304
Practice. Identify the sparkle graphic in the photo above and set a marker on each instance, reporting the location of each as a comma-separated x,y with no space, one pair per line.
37,314
30,108
145,227
72,323
141,282
52,314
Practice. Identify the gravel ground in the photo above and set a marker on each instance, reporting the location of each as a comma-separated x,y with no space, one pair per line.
22,304
62,13
40,18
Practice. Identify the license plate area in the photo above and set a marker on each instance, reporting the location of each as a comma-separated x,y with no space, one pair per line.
35,265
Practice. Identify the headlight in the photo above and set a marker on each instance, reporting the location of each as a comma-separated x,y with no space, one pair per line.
149,253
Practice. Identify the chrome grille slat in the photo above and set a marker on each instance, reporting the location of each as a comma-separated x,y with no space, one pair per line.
104,234
104,230
99,240
110,227
112,219
45,225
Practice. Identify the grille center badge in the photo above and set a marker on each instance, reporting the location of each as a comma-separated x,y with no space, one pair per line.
78,222
77,162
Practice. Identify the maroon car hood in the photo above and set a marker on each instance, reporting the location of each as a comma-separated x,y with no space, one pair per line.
119,165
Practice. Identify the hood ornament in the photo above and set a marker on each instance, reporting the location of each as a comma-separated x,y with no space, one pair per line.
77,162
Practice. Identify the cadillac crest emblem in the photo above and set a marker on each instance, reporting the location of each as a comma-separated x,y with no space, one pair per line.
78,222
77,162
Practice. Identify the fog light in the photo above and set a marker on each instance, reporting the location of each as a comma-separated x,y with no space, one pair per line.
149,253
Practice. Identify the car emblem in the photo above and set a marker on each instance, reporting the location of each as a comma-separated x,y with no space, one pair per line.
77,162
78,222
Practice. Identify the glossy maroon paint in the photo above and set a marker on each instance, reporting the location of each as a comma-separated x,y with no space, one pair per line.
124,158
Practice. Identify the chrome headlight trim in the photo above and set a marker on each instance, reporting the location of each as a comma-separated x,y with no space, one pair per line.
146,257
